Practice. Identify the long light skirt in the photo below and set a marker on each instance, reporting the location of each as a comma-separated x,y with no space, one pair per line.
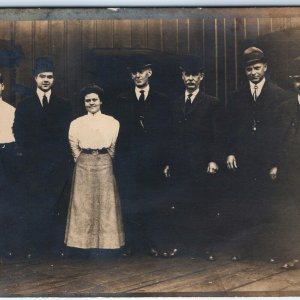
94,216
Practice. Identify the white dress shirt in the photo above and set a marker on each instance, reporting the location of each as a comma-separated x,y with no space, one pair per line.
138,91
299,99
93,131
41,94
194,94
7,116
259,87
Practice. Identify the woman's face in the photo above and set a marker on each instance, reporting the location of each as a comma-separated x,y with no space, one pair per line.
92,103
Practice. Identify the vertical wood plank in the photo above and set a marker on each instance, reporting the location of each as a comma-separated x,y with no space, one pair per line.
264,26
138,33
154,34
197,38
122,34
183,39
240,36
251,28
294,21
5,30
88,43
221,53
278,24
231,57
41,38
104,34
23,37
74,61
210,56
170,36
58,46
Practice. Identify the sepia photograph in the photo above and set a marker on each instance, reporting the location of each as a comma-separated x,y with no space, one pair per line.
150,152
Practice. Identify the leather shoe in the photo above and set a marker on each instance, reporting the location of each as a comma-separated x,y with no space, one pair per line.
8,254
290,265
235,258
168,253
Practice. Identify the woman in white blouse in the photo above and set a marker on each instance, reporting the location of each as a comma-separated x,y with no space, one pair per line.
94,216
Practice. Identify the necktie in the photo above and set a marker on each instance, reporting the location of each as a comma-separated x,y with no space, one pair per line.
45,102
188,103
141,105
255,92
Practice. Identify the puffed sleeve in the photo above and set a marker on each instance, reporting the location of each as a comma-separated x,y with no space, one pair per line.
115,132
73,139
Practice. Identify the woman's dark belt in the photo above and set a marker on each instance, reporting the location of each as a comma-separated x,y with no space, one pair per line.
94,151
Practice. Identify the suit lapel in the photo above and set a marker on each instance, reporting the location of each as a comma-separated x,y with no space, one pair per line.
195,103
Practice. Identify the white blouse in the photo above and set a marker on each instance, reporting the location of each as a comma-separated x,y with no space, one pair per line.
93,131
7,116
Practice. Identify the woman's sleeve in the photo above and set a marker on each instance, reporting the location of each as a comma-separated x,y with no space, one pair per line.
74,141
111,149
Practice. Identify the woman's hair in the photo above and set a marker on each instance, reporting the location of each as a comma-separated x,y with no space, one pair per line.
89,89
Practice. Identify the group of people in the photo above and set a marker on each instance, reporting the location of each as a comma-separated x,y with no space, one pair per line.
148,174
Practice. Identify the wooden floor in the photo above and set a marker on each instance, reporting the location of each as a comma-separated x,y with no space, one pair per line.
146,276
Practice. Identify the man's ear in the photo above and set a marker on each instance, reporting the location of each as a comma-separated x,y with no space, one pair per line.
149,72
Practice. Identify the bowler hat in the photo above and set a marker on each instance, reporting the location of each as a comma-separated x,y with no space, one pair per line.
294,69
138,63
43,64
253,55
191,64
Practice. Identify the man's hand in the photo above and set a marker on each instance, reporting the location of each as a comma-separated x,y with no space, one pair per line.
231,162
212,168
166,171
273,173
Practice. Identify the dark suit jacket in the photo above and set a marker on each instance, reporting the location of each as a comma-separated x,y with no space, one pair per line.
199,137
143,150
288,142
254,148
42,133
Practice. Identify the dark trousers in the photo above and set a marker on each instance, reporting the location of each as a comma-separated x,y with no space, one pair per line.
11,199
47,180
190,215
252,211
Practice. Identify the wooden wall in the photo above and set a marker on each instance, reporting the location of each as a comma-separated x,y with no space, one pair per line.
216,39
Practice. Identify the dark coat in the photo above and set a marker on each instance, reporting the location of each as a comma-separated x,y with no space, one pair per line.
143,151
253,143
37,131
288,123
199,137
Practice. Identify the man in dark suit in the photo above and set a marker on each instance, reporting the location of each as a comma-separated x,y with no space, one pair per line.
288,172
41,131
198,149
252,135
141,154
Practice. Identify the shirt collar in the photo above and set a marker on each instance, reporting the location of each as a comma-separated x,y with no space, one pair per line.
259,85
145,89
298,98
194,94
41,94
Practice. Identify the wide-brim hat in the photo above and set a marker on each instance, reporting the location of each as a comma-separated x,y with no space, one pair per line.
191,64
253,55
138,63
43,64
